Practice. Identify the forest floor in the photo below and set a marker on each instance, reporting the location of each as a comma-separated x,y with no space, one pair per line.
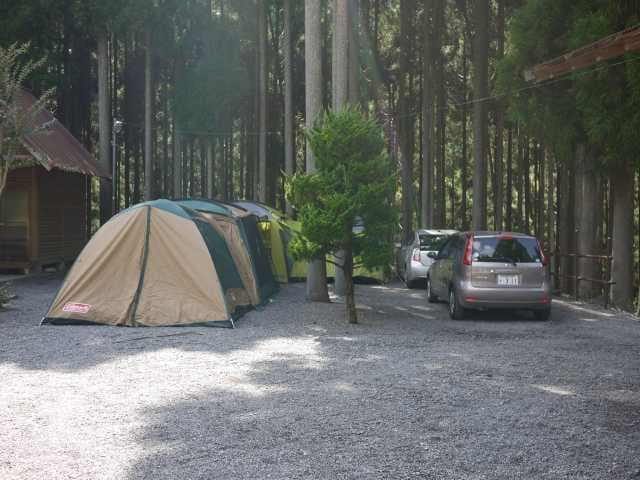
295,392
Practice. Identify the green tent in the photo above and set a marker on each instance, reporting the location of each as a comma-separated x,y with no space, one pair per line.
240,229
155,264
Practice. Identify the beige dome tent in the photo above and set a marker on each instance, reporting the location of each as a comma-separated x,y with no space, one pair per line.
157,263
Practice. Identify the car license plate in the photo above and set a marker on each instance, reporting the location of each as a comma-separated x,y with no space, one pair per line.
508,280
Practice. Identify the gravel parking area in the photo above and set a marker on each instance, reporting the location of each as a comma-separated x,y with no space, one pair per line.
295,392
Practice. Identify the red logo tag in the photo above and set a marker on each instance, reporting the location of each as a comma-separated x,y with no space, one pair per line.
81,308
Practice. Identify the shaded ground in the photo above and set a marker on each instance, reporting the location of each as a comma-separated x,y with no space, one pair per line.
294,392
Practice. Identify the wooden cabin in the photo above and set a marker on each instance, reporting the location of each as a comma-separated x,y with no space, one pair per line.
44,208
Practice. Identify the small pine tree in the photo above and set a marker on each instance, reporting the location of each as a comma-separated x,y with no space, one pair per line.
15,120
355,180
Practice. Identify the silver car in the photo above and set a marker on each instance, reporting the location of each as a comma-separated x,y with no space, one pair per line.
484,270
413,258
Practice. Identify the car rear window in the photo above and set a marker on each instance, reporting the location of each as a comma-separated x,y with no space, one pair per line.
432,242
506,249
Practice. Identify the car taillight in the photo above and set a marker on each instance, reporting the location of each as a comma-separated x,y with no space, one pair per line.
543,257
467,259
416,255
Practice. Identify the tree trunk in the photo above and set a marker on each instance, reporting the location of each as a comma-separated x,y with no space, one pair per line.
341,97
509,196
622,242
177,165
480,120
148,119
341,55
289,145
354,52
585,189
465,140
316,270
210,170
262,101
542,158
164,191
498,189
426,193
104,121
440,116
527,184
404,122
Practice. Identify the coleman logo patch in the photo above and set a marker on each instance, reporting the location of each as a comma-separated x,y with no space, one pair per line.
71,307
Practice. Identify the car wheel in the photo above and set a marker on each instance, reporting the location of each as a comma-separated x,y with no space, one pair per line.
456,311
430,296
542,315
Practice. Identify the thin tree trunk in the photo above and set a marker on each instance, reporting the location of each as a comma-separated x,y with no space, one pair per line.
354,52
465,140
622,242
527,185
585,226
440,116
289,141
341,54
404,122
210,169
568,222
104,121
341,97
426,193
509,196
480,120
541,189
498,189
316,270
177,165
262,101
148,118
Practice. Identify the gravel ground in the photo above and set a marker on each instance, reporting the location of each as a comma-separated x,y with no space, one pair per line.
294,392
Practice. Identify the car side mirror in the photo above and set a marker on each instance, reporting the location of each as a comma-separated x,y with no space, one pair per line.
433,255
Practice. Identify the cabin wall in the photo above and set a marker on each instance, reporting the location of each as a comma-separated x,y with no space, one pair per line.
16,205
43,218
61,216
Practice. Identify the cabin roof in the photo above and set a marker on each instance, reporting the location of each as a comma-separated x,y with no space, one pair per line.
57,147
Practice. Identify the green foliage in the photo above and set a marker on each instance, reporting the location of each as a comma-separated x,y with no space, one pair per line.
354,178
16,121
597,105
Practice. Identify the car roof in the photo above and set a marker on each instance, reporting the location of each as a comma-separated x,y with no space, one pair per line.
489,233
425,231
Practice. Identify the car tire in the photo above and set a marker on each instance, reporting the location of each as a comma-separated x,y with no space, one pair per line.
411,284
456,311
431,298
542,315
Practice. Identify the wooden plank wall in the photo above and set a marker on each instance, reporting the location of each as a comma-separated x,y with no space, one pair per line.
61,215
14,240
